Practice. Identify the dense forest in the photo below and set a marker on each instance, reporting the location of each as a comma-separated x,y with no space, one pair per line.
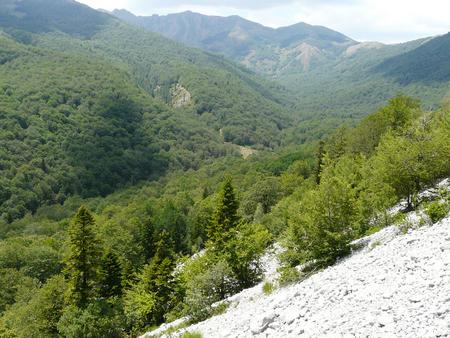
122,208
327,71
112,267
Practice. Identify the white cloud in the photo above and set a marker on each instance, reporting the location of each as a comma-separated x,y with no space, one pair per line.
382,20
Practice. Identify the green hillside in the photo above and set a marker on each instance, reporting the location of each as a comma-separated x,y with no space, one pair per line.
125,201
328,72
225,95
428,63
90,104
73,125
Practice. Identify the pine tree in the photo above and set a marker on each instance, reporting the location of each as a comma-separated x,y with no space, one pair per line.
82,259
157,282
319,155
147,232
110,276
225,218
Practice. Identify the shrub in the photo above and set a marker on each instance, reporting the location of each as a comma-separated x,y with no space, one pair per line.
207,282
98,319
437,211
288,275
268,288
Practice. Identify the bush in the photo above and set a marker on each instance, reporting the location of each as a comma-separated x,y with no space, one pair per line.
268,288
288,275
99,319
437,211
207,281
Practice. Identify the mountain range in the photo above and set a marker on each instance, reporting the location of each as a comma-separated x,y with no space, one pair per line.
328,71
142,103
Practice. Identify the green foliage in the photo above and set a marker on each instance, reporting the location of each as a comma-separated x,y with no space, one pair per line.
110,276
437,210
244,250
425,64
407,153
35,256
264,193
36,313
82,259
322,233
410,162
288,275
225,219
98,319
207,280
398,114
268,288
13,282
153,295
192,335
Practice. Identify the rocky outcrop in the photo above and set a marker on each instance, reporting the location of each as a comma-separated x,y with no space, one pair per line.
180,96
352,50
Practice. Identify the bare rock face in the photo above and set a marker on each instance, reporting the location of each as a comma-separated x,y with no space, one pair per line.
180,96
352,50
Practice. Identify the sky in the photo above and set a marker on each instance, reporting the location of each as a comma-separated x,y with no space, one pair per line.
388,21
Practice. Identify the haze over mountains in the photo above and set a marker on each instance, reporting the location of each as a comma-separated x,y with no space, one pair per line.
328,71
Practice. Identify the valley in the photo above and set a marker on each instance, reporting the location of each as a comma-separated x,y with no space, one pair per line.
148,164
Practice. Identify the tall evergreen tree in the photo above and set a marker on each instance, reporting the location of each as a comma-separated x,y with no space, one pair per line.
320,160
147,233
225,218
110,276
82,259
151,297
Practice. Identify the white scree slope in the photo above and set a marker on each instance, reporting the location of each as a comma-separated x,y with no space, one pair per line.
398,286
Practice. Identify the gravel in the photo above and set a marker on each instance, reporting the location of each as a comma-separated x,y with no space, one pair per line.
396,285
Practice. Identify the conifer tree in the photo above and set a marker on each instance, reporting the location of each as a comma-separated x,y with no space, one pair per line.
151,297
320,156
110,276
82,259
147,232
225,217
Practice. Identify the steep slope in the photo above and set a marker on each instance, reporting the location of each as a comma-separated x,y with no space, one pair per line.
261,48
225,95
330,73
398,285
90,104
429,63
354,84
75,125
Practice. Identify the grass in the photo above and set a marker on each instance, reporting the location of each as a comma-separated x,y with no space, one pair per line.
268,288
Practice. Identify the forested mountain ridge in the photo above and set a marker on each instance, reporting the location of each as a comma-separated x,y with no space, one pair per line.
73,125
428,63
119,164
264,49
90,104
158,65
329,72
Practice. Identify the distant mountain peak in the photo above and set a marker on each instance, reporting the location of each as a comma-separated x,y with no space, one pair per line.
262,48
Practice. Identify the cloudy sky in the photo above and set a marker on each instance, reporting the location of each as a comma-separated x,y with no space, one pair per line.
365,20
